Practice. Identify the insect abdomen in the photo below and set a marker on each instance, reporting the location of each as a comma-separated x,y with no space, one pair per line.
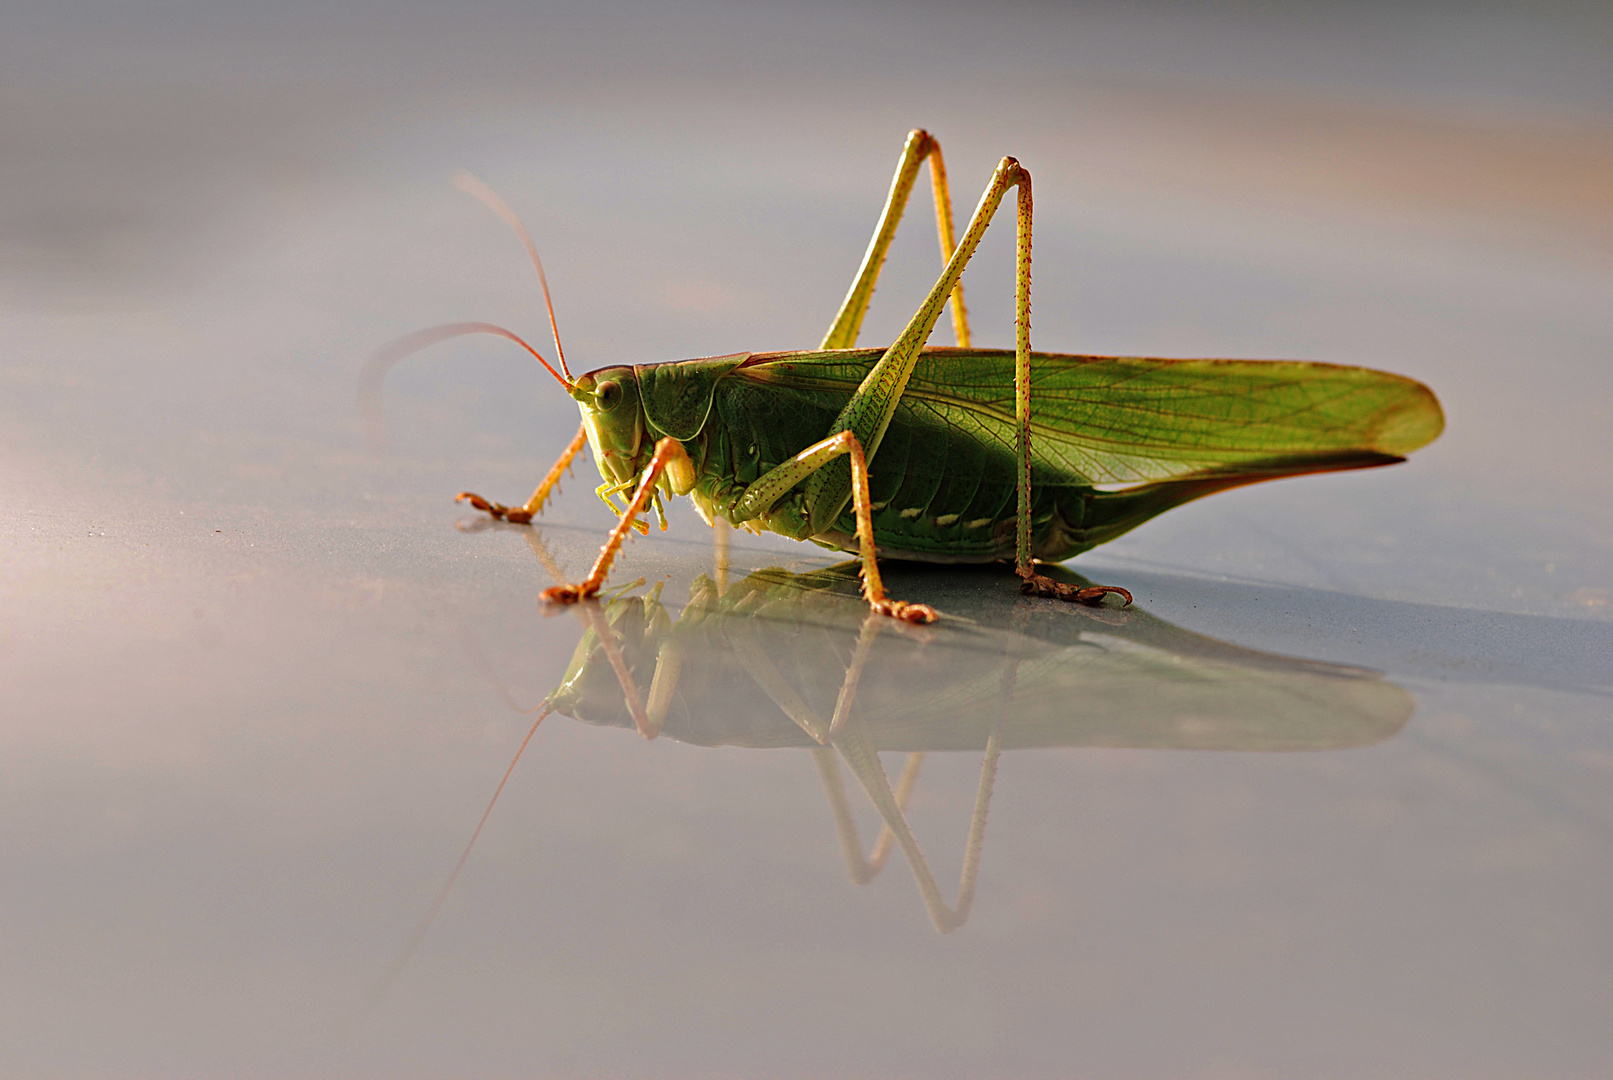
939,494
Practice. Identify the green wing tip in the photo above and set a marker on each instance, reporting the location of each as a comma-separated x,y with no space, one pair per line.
1411,422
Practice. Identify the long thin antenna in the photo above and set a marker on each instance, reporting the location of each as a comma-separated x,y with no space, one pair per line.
470,185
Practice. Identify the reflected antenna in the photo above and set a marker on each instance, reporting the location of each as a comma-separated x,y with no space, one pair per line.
419,935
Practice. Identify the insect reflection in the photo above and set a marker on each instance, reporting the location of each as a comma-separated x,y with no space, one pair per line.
781,660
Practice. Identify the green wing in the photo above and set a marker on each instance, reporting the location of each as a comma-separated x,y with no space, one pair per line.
1111,420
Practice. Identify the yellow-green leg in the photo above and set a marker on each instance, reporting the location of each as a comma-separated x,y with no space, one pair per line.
921,146
870,409
809,462
669,456
829,485
857,748
523,514
867,415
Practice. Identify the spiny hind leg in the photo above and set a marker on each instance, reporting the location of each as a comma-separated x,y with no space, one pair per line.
1032,583
921,145
856,748
860,868
523,514
877,398
669,453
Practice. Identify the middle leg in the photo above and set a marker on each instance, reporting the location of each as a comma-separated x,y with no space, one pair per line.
767,491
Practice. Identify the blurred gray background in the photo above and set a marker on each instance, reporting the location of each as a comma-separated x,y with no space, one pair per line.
254,681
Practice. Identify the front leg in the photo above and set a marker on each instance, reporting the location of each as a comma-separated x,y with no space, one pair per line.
523,514
669,454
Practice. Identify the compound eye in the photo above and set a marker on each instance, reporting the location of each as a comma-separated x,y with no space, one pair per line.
608,394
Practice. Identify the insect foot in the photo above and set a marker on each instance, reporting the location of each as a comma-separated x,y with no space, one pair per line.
513,514
568,594
1092,595
901,609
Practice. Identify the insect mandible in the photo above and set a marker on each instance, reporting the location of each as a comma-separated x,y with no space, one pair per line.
954,455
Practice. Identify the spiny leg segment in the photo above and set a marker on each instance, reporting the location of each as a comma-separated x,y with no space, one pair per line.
771,487
921,145
669,453
870,410
523,514
868,414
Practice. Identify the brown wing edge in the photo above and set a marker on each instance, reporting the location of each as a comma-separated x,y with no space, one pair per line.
1110,514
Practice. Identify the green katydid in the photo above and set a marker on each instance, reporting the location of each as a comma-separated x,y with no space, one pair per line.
954,454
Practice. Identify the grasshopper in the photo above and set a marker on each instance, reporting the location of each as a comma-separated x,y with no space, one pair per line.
955,455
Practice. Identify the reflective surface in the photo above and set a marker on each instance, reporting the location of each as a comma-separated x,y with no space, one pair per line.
1333,800
782,659
1031,675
